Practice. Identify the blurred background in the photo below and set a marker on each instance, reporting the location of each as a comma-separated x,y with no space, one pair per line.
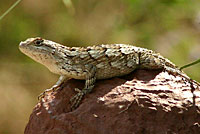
170,27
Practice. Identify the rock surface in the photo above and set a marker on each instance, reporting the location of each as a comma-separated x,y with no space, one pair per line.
144,102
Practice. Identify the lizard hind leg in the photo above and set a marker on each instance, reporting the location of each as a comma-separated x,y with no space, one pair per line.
89,85
55,87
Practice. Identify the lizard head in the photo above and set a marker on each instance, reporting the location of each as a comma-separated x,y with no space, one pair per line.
41,50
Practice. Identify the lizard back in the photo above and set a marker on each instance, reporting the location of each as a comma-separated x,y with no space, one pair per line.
110,60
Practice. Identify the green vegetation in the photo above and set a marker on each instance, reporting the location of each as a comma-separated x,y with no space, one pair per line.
171,28
9,9
190,64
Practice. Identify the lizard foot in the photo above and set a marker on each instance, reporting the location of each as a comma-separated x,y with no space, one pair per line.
76,99
52,89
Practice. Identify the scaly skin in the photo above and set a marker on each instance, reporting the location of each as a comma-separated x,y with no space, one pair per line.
93,62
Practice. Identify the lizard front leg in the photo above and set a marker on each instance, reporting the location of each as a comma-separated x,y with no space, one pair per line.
89,85
60,81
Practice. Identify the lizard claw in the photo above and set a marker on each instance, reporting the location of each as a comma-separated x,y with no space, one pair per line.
52,89
76,99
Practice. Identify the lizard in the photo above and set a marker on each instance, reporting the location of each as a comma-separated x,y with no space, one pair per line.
93,62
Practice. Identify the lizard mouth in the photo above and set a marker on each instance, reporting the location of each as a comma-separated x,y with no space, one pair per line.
23,46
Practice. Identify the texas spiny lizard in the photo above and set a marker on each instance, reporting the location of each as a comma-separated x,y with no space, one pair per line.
93,62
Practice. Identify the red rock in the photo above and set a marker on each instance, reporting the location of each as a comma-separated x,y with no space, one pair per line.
144,102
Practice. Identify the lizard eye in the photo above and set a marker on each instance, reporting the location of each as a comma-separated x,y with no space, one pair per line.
38,42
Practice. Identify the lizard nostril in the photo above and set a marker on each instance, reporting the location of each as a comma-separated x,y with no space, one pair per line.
22,44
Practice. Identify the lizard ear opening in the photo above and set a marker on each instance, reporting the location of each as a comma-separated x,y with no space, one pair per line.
38,42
